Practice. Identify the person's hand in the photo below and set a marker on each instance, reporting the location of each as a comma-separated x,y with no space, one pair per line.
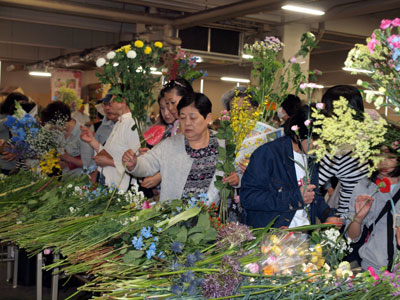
129,159
363,205
398,235
243,164
330,191
307,192
143,151
151,181
335,220
87,135
232,179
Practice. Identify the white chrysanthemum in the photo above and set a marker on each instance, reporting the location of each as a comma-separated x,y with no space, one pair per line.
131,54
111,55
100,62
115,64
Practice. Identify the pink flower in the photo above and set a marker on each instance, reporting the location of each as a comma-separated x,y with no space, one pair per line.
320,105
293,59
253,268
396,22
146,205
307,122
303,86
391,38
295,128
237,198
372,273
46,251
372,43
385,23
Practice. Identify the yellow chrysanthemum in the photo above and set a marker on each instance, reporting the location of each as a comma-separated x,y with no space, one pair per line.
158,44
125,48
147,50
139,44
49,162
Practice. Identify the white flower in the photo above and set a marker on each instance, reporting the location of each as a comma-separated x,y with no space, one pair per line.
382,90
71,209
115,64
100,62
369,97
111,55
69,186
131,54
396,109
379,101
359,82
77,189
86,215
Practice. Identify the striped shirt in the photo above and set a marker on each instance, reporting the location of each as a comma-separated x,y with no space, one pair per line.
348,171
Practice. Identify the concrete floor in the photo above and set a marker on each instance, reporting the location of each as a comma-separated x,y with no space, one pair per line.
26,289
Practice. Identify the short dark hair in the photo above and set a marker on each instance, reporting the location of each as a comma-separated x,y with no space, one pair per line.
181,85
8,106
160,114
291,104
54,111
199,100
351,93
303,114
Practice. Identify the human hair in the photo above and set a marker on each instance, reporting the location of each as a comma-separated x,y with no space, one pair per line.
54,111
291,104
160,114
351,93
8,105
389,152
200,102
241,92
299,119
27,106
181,85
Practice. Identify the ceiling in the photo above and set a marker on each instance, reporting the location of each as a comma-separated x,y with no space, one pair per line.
76,31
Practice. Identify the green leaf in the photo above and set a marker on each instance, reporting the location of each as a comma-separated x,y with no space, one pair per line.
218,184
183,216
222,153
220,166
182,235
204,221
132,255
197,237
210,235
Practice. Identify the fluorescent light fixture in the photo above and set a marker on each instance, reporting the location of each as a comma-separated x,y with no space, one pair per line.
356,70
235,79
156,72
42,74
247,56
304,10
198,59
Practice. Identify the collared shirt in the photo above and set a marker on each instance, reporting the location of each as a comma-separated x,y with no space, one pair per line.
74,146
122,138
104,131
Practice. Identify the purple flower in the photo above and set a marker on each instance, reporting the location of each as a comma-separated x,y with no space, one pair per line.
177,247
233,234
190,260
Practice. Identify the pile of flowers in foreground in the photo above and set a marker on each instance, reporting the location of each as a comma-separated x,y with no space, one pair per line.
132,250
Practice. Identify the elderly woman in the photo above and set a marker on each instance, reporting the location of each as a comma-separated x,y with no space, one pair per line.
273,184
187,161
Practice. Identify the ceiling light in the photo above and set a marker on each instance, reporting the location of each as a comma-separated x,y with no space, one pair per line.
356,70
247,56
42,74
304,10
235,79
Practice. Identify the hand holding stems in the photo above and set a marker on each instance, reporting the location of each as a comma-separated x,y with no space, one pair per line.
362,207
232,179
151,181
129,160
307,192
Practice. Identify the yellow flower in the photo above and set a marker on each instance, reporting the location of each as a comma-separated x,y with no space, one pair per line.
147,50
125,48
139,44
158,44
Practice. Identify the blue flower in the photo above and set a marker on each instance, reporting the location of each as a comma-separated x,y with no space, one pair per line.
176,289
10,121
203,197
190,260
188,277
191,290
155,239
175,266
146,232
150,253
178,209
161,254
177,247
152,246
199,256
159,229
137,243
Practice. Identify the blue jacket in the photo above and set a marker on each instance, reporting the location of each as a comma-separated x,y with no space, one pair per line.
270,188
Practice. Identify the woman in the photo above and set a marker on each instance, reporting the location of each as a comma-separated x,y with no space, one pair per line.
273,184
77,154
187,161
364,211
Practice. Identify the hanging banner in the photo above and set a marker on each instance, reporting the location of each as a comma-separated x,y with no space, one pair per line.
65,78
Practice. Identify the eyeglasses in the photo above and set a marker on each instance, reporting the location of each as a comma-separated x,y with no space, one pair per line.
173,83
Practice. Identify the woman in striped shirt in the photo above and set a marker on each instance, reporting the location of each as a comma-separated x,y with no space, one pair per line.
345,168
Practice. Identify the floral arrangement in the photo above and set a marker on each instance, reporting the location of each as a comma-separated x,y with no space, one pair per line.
342,133
172,250
128,71
69,97
183,64
267,66
380,58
